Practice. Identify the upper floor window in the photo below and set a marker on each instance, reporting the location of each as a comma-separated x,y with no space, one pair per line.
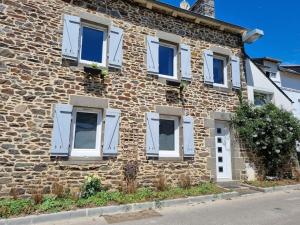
220,71
93,45
261,99
167,60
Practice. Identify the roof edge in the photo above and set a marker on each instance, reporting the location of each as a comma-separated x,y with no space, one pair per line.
197,18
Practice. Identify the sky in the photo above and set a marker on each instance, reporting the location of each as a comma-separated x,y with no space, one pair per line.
280,21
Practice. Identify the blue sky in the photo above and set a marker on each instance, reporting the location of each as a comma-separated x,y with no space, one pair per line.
280,20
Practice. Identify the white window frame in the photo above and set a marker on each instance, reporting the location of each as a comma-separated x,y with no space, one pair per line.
104,48
270,94
87,152
174,153
225,71
175,60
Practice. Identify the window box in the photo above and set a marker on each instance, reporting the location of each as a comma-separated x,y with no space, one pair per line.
92,71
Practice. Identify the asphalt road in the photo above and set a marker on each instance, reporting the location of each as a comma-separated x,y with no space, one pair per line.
280,208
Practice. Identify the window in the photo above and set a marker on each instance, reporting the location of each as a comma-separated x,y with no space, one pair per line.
168,136
261,99
167,60
93,45
86,133
220,71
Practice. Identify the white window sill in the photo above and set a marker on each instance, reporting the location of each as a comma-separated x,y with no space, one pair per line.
220,85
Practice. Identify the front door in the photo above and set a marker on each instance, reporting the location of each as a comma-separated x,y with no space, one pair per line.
223,152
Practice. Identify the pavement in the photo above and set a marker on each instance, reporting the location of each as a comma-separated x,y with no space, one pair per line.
277,208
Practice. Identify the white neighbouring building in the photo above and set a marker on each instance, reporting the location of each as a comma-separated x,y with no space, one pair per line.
262,89
287,77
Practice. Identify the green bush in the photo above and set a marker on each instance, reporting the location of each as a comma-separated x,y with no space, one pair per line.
9,207
91,186
271,133
50,203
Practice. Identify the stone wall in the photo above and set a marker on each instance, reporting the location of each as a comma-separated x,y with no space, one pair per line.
33,78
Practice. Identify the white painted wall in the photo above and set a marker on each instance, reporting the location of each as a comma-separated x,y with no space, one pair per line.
257,81
291,86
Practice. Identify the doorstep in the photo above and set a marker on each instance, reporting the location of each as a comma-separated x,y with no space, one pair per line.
109,210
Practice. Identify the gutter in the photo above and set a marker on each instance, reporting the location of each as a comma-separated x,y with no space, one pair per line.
190,16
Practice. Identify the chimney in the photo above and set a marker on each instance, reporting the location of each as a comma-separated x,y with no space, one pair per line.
204,7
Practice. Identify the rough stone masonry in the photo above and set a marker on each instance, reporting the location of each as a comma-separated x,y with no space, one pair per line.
33,77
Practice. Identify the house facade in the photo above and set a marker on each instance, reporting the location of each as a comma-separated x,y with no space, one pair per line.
87,86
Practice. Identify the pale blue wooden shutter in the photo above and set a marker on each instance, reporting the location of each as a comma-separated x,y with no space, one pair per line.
152,54
186,73
152,139
61,130
70,44
116,47
188,136
111,132
208,60
236,72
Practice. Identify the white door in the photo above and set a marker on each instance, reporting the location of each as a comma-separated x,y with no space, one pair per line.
223,152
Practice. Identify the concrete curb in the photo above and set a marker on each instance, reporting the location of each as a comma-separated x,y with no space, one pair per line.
106,210
275,188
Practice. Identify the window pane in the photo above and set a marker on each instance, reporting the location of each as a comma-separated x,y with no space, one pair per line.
166,61
85,131
92,45
218,71
167,135
261,99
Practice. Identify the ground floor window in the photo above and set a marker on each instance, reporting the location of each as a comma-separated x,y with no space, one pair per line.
168,136
86,135
261,99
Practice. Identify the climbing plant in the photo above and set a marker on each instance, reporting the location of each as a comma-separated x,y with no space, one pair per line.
271,133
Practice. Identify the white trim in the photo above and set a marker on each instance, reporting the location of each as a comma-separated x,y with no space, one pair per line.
87,152
175,61
225,71
174,153
104,48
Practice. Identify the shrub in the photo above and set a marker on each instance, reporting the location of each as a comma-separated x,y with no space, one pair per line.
58,190
161,184
271,133
14,193
37,197
185,181
130,174
91,186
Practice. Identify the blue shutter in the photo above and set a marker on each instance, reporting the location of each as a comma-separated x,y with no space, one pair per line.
152,54
208,60
111,132
70,44
186,73
116,47
61,130
236,72
188,136
152,139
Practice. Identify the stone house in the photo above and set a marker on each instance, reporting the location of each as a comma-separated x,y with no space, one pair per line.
87,86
